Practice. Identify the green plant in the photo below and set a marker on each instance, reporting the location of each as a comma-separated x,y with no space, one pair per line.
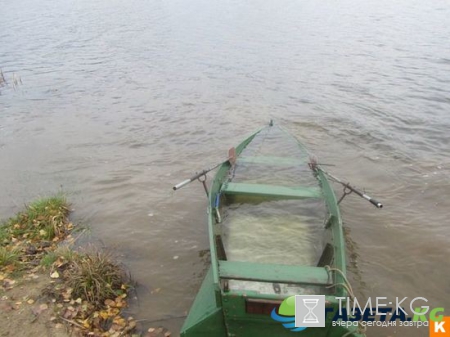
95,277
8,256
43,219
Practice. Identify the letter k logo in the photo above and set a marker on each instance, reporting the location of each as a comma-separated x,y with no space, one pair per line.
440,329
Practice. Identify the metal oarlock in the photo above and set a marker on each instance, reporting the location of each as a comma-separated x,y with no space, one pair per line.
346,192
231,159
313,165
205,177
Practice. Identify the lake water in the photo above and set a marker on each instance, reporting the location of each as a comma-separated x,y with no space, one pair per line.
120,100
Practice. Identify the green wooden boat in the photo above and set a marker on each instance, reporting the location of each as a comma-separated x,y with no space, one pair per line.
275,231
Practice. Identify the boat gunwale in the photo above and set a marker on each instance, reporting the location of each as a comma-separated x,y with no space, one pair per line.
215,188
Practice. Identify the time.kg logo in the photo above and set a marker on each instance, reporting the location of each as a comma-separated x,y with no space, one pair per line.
310,311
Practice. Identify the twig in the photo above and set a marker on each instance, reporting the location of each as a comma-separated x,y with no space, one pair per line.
72,322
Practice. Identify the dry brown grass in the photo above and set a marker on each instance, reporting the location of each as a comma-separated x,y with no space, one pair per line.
95,277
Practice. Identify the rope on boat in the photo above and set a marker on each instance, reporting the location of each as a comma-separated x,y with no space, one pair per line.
348,287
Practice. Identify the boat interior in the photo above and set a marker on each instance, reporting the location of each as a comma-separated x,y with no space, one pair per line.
271,215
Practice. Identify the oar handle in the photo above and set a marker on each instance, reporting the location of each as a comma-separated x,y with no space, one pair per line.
187,181
374,202
231,159
182,184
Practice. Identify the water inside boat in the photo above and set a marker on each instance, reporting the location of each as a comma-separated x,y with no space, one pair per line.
272,230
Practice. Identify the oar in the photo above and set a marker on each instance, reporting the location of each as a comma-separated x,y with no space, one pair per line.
231,159
351,188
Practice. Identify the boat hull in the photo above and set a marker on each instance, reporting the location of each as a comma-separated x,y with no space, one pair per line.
220,310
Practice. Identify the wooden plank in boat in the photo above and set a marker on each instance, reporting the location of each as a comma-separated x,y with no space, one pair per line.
272,191
259,272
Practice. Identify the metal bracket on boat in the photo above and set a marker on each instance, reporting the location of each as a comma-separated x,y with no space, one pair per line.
276,288
345,192
225,286
203,181
218,216
328,221
348,187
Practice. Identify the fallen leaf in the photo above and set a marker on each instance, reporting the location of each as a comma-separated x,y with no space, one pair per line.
114,334
113,311
110,303
104,314
59,262
85,323
68,314
119,321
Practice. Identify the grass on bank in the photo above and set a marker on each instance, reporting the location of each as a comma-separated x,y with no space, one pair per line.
95,277
8,256
91,275
42,220
88,287
33,232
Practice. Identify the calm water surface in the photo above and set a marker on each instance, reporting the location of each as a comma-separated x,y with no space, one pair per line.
121,99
